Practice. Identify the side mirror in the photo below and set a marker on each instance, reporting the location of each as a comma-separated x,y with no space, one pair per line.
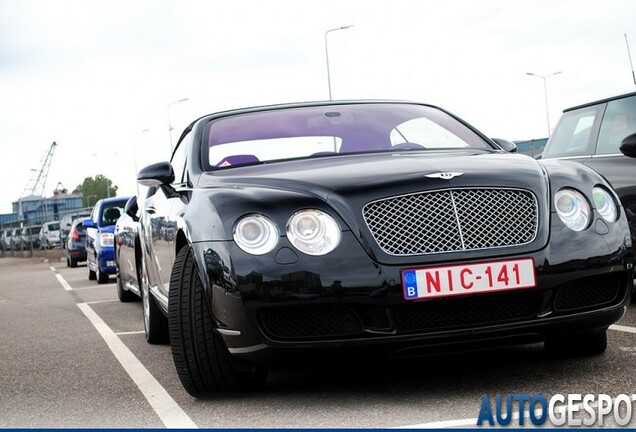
508,146
628,145
88,223
157,174
132,208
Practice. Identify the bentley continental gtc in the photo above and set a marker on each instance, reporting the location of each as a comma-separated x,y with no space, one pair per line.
333,229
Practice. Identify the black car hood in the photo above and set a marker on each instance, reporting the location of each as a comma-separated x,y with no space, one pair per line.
385,174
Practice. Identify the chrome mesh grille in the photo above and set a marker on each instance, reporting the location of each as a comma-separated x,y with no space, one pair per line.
452,220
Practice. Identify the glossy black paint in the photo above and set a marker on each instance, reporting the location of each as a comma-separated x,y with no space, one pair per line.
199,210
628,146
156,174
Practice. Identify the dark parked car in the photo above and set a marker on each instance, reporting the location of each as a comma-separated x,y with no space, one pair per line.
100,238
280,233
591,134
76,243
66,221
127,253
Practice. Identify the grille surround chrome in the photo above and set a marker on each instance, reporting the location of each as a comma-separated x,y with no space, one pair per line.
505,226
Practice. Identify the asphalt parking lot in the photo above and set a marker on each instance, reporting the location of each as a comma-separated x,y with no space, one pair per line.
74,356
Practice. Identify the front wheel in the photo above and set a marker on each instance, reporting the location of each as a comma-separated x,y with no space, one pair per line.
155,323
202,360
102,277
91,273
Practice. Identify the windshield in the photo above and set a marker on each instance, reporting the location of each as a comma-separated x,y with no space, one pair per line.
305,132
54,226
111,212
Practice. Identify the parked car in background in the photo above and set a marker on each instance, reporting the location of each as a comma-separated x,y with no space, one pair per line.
16,240
30,237
371,227
76,243
100,240
65,224
591,134
127,253
50,235
5,241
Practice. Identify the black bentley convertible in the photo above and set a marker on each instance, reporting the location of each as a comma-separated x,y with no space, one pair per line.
385,228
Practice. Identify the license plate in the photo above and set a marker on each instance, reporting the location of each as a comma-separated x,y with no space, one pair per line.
465,279
110,263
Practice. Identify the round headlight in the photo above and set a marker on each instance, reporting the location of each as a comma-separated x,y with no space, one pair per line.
605,204
313,232
573,209
256,234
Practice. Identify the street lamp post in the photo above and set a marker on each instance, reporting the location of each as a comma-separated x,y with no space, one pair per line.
545,91
170,128
327,54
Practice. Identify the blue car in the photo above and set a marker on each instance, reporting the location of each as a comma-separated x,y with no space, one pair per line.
100,228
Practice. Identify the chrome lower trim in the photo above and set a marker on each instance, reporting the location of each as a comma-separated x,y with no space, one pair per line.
159,296
133,288
228,332
246,350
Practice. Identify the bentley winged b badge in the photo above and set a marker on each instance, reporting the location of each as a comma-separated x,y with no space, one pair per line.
444,175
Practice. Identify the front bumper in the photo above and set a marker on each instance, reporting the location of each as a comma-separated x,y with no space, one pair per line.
272,309
106,260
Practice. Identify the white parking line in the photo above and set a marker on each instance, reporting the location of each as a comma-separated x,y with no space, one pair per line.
169,412
622,328
166,408
61,280
91,287
101,301
130,333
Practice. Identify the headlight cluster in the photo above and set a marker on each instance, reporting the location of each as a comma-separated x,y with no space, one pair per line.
312,232
575,211
605,204
256,234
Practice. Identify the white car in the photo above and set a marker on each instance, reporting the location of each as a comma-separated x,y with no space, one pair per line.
50,235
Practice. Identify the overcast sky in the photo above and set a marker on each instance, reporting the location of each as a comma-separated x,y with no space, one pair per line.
94,75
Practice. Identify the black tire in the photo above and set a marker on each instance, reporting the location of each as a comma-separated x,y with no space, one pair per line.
155,322
102,277
91,273
72,262
124,295
583,344
68,261
203,363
